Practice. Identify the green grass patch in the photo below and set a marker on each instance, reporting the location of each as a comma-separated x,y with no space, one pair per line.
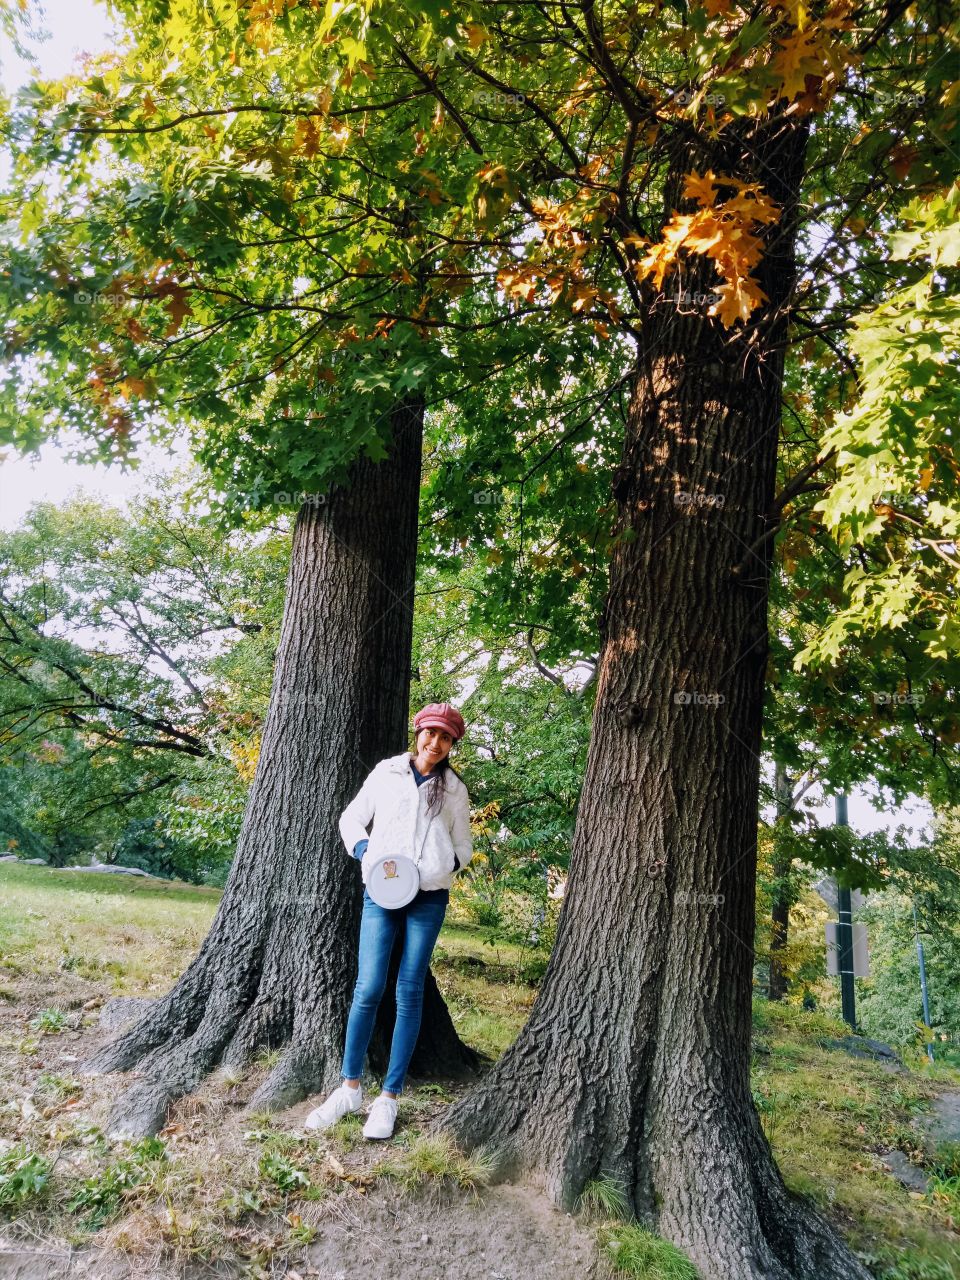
99,1199
635,1251
50,1021
604,1197
434,1157
138,934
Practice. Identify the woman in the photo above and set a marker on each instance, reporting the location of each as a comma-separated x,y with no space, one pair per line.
420,808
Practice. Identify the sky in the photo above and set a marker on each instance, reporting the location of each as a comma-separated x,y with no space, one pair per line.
83,26
76,27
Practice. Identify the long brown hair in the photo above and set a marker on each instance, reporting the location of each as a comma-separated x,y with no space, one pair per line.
436,782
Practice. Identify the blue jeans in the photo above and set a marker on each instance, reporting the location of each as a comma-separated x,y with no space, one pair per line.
421,919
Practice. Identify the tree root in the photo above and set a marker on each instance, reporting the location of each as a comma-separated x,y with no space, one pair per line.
722,1200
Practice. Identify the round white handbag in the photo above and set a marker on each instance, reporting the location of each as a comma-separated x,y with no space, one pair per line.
393,881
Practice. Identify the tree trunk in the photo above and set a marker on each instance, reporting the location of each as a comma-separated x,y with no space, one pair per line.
635,1062
278,965
780,908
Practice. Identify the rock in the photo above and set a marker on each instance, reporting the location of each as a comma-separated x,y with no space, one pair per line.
942,1122
861,1047
112,869
907,1174
118,1012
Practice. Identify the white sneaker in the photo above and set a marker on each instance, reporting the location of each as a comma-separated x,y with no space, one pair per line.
340,1103
381,1118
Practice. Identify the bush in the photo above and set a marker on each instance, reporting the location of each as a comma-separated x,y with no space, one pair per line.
889,1004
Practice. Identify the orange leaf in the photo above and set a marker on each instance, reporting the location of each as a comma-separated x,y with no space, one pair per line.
700,189
798,54
737,299
177,308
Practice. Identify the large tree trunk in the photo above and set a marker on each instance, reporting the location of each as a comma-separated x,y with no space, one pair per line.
635,1062
782,900
279,962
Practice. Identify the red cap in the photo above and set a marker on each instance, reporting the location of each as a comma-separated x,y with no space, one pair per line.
441,715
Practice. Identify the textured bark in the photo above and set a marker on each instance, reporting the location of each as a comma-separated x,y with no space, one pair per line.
278,965
780,907
635,1062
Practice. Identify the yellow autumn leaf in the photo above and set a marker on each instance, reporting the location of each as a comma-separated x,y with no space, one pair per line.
705,232
521,281
738,297
800,54
700,189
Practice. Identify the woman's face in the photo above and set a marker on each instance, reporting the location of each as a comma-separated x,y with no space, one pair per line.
433,745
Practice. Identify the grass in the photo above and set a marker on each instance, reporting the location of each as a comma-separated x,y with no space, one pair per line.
434,1157
828,1117
604,1197
138,936
50,1021
634,1251
240,1185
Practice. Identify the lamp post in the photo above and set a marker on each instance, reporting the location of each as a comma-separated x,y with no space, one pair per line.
923,979
845,935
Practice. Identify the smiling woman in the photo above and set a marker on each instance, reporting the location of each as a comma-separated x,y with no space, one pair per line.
409,860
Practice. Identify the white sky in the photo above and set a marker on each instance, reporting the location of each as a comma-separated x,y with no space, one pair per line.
83,26
76,27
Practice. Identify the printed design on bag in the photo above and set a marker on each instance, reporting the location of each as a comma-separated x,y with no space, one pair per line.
390,870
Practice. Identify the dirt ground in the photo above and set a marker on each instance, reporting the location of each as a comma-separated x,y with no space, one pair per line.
365,1228
506,1232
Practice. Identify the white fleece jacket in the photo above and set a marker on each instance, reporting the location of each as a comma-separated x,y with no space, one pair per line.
391,799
